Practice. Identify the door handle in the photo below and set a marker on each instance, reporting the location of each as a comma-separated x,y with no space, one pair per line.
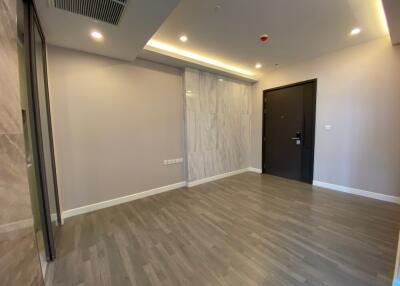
297,139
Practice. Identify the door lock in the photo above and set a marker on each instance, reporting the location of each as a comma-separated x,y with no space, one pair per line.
297,138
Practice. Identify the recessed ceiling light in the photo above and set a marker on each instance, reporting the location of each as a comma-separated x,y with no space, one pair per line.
355,31
183,38
96,35
220,79
258,65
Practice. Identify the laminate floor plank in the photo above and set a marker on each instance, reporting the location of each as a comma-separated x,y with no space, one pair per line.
248,229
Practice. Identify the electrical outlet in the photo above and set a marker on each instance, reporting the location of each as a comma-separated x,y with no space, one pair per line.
173,161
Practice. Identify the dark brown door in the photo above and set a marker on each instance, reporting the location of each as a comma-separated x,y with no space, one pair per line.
288,131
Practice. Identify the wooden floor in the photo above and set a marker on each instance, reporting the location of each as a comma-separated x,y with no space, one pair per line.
245,230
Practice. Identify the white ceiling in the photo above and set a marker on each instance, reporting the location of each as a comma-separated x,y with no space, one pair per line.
298,29
139,22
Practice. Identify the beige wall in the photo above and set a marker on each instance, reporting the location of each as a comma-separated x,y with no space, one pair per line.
114,123
359,95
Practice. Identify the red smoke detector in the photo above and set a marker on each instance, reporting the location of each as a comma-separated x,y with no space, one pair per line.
264,38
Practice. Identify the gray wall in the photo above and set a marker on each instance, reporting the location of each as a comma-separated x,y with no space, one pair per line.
359,95
114,123
217,124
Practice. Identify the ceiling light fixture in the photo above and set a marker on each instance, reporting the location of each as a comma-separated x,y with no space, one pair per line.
355,31
183,38
96,35
258,65
220,80
157,46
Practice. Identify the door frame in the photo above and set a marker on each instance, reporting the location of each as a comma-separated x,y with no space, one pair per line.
264,106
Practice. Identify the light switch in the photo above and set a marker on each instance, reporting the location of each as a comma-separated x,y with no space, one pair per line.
328,127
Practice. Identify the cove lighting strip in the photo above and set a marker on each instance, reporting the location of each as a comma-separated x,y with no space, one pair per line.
382,15
199,58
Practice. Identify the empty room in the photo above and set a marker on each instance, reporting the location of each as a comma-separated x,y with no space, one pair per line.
188,142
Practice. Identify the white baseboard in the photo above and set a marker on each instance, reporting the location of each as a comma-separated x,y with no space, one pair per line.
125,199
255,170
358,192
120,200
217,177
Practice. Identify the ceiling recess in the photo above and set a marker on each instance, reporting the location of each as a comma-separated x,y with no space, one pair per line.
108,11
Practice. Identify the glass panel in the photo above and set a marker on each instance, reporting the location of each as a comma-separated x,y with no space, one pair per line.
45,128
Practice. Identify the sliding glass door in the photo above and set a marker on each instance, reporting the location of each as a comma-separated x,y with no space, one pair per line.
43,103
38,133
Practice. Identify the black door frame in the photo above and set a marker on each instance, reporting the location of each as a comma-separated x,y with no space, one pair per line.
31,20
264,110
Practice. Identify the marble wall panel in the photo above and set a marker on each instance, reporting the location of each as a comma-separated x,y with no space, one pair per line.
19,261
10,110
14,194
217,124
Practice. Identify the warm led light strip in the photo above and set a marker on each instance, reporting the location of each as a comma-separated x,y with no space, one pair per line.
382,16
171,49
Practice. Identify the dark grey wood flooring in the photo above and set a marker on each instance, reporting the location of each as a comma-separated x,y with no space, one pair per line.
248,229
